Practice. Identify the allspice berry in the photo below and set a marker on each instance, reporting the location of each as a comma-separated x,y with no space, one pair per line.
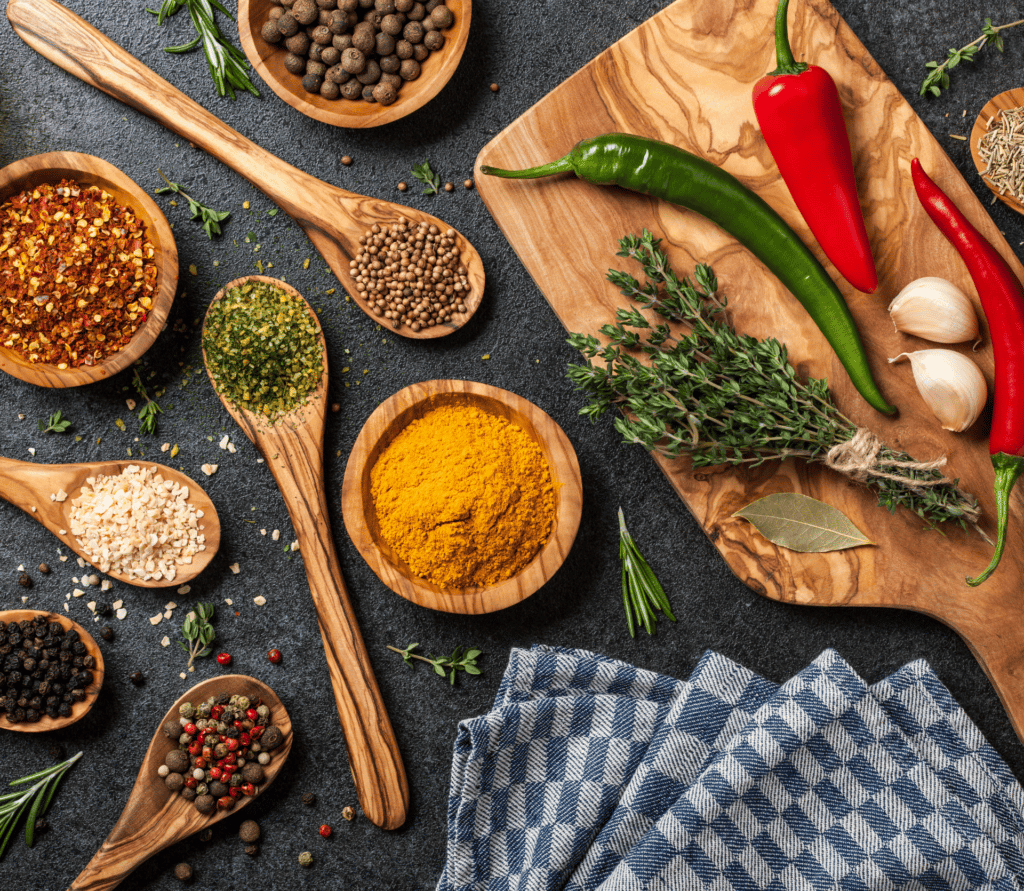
272,738
441,17
433,40
353,60
294,64
183,872
174,781
305,11
287,25
385,94
410,69
253,773
249,831
205,804
177,760
269,32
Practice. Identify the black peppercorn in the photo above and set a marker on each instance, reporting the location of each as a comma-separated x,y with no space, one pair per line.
252,850
25,580
137,678
104,609
308,799
107,633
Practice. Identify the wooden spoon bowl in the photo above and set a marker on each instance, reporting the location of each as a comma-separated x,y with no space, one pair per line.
79,709
333,218
268,60
995,105
87,170
155,817
30,487
394,415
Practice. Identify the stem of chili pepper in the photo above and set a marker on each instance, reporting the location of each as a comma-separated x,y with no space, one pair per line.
1002,299
785,62
667,172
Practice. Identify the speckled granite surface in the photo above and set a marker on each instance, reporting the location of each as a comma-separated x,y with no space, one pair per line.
527,48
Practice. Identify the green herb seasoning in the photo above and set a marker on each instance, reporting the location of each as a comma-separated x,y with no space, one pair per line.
263,349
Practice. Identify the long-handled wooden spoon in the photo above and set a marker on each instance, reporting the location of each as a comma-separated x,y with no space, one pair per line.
333,218
155,817
995,106
30,487
293,448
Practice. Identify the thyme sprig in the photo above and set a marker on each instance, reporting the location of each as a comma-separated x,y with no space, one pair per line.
938,77
149,409
425,175
36,800
729,399
211,219
228,66
56,423
463,659
198,633
642,593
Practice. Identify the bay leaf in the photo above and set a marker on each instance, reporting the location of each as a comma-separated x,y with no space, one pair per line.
802,523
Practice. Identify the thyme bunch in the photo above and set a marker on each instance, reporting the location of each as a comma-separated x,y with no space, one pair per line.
938,75
56,423
198,632
149,409
426,175
210,218
463,659
725,398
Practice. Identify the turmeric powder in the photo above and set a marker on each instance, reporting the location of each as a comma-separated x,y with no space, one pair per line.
464,497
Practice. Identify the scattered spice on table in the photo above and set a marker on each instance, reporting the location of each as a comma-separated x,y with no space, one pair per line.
263,348
411,274
137,523
1002,149
77,272
463,496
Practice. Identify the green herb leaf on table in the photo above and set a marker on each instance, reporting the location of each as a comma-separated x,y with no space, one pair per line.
227,64
938,73
149,409
211,219
198,632
462,659
36,800
642,593
801,523
56,423
425,175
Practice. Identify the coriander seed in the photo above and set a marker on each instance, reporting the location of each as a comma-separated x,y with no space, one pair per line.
305,859
183,872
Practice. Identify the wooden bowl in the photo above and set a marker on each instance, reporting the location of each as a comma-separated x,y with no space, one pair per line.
360,515
268,60
1009,99
91,171
80,709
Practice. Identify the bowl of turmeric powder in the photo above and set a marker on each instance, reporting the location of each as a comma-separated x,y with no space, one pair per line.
462,497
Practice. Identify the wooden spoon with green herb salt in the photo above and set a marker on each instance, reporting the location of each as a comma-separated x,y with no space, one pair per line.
275,387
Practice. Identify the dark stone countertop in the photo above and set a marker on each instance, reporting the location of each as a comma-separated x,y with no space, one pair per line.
527,48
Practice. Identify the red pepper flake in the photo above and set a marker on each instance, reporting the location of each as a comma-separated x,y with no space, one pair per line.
77,274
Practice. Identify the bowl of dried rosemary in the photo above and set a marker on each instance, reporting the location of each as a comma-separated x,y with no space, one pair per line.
997,146
88,265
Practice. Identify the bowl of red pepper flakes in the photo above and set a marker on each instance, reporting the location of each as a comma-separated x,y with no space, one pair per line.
88,270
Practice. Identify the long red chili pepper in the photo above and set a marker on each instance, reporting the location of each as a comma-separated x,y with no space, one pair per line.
801,117
1002,299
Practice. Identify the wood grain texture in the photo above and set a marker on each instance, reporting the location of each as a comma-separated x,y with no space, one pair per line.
29,486
268,60
87,170
293,448
154,817
394,415
79,709
686,76
991,109
333,218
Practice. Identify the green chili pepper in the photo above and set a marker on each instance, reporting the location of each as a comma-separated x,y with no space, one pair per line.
667,172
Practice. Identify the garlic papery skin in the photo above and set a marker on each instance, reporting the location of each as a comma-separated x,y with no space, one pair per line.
951,385
936,310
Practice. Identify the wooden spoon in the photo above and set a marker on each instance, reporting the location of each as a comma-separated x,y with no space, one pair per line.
1009,99
155,817
29,486
80,709
293,447
333,218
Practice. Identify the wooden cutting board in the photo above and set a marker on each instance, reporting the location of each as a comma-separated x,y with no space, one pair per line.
685,76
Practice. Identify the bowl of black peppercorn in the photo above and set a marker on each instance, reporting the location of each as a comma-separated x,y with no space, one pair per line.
51,671
355,63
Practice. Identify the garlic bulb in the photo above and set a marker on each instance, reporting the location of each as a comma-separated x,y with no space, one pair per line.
951,385
936,310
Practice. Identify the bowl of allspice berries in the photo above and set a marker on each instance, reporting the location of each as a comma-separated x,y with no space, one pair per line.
355,63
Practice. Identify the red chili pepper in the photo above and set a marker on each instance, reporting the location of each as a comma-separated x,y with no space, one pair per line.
801,118
1002,299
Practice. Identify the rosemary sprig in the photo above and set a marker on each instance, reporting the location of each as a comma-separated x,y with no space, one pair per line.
211,219
938,77
36,799
730,399
461,660
198,632
425,175
642,593
227,63
149,410
56,423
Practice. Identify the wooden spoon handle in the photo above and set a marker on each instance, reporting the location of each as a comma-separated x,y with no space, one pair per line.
70,42
296,461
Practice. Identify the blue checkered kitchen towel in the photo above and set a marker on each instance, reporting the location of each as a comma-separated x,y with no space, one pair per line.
593,775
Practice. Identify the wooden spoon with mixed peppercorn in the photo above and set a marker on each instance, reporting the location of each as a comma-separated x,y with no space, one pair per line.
155,817
275,387
334,219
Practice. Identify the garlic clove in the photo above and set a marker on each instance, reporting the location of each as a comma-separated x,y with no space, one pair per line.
936,310
951,385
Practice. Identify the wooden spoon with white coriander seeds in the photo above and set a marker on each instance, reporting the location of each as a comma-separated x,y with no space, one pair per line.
334,219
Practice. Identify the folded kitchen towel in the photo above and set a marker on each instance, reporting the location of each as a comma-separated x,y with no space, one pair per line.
589,773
